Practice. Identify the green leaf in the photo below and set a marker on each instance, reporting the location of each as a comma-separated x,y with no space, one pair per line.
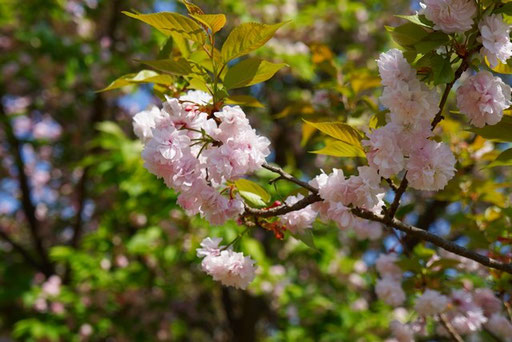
243,100
407,34
166,49
443,72
431,42
417,19
500,131
339,131
307,237
246,38
215,22
504,159
338,148
172,23
178,66
143,76
445,263
252,192
505,9
250,71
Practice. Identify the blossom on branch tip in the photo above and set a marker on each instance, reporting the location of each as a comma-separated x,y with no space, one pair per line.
401,332
482,98
431,167
495,33
450,16
390,291
229,267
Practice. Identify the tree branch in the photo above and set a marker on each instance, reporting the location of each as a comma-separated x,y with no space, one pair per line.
386,220
23,252
286,176
450,329
26,198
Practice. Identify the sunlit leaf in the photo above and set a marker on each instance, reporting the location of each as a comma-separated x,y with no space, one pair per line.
172,23
407,34
252,192
340,131
215,22
178,66
504,159
361,81
417,19
307,237
501,131
246,38
243,100
143,76
250,71
191,8
501,67
338,148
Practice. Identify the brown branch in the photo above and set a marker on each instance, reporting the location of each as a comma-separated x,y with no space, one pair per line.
22,251
434,239
398,196
26,197
283,209
450,329
286,176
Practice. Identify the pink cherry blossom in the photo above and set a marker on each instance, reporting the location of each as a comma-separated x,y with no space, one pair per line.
230,268
430,303
500,326
411,103
394,68
145,121
390,291
297,221
401,332
383,152
450,16
495,39
431,167
482,98
387,267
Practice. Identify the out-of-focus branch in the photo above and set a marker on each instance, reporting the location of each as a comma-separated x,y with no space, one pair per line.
449,327
22,251
26,197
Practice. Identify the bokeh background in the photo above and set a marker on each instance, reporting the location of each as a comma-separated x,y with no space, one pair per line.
94,248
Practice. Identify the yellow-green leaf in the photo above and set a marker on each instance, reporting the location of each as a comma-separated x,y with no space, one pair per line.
339,131
191,8
338,148
215,22
500,131
250,71
504,159
501,68
143,76
243,100
252,192
246,38
178,66
170,23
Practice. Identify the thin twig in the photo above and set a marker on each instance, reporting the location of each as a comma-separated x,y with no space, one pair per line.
288,177
449,327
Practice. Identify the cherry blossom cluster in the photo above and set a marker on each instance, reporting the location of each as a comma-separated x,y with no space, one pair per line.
225,265
197,154
388,287
482,97
466,311
403,143
340,193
